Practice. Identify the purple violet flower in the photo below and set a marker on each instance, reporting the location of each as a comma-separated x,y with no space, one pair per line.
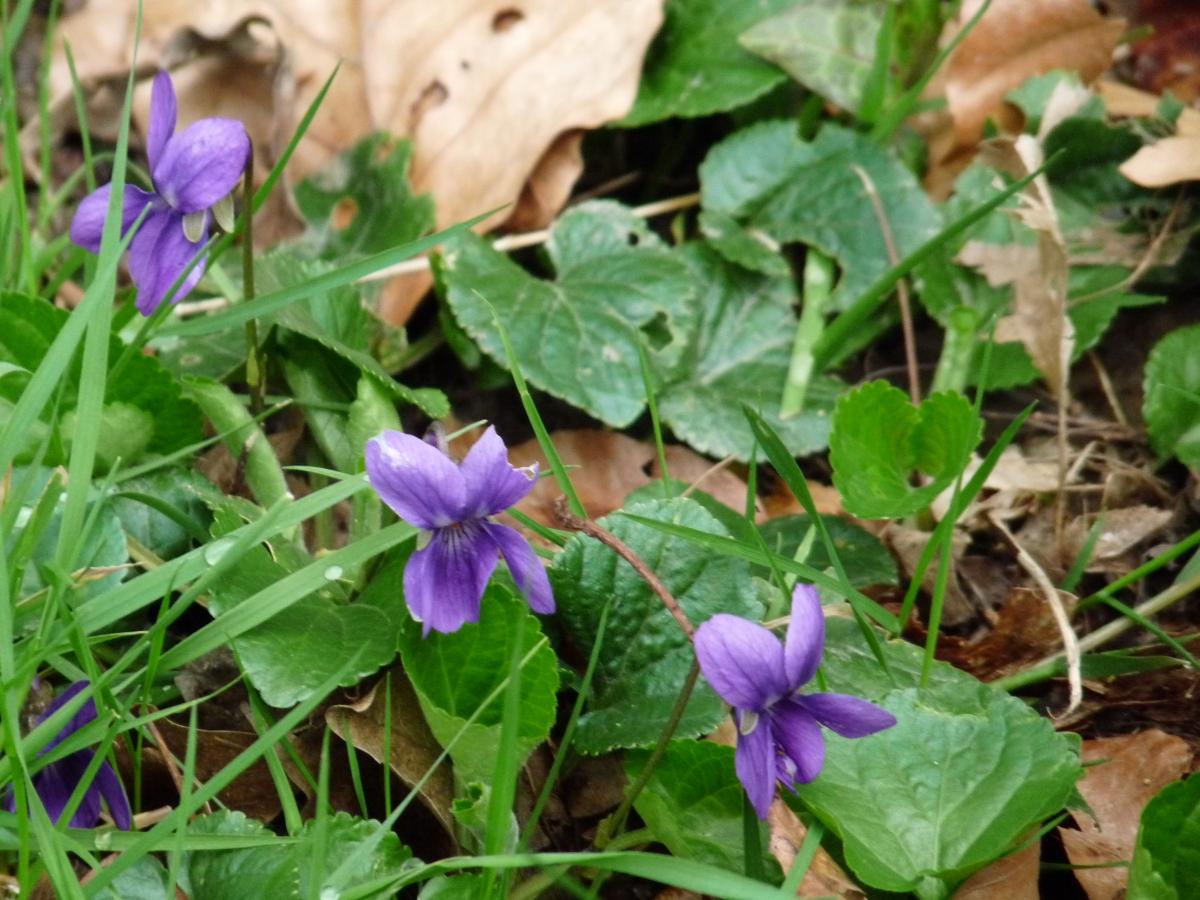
445,579
193,173
56,782
779,729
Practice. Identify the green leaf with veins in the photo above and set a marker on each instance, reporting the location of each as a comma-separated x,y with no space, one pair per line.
454,673
826,45
144,410
338,320
879,438
1167,856
646,655
1172,406
284,869
577,337
726,235
964,774
695,66
693,804
292,653
740,354
362,202
866,559
770,180
161,534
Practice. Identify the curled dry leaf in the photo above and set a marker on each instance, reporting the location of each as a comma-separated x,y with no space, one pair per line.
1138,766
413,747
1015,40
493,93
1169,161
824,877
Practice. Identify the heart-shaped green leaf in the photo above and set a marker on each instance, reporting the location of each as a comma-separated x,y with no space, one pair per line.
1172,407
617,288
879,438
1167,856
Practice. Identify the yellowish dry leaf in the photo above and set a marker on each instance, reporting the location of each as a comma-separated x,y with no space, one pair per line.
824,877
1012,877
1123,100
1169,161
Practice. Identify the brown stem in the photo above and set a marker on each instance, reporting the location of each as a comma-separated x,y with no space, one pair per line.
906,321
568,521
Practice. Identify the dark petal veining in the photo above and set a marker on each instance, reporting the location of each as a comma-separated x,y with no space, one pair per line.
158,254
444,582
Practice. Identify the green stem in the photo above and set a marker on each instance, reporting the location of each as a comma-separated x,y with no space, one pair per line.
255,364
958,349
818,285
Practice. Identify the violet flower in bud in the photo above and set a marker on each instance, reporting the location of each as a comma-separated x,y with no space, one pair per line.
57,781
445,579
193,174
779,729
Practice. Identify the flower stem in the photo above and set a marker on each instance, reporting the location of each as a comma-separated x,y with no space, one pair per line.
255,375
614,823
568,521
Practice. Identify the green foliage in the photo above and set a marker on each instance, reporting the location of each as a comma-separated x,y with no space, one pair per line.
455,673
362,202
646,655
826,45
866,560
1172,406
740,355
144,411
1167,855
617,287
299,648
162,533
695,66
879,438
693,804
965,773
770,180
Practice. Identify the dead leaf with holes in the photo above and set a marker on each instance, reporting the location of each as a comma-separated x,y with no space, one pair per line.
1138,766
495,94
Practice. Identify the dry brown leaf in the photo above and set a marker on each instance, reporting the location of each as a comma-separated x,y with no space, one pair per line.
1167,57
1013,877
824,877
1000,264
611,466
907,545
1039,317
1123,100
493,93
1138,767
1169,161
413,746
1124,529
1015,40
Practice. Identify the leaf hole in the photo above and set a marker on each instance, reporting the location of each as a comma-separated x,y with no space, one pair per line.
658,331
506,19
633,239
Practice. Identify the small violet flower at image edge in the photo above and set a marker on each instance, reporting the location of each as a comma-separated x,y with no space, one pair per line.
454,504
56,782
779,728
193,173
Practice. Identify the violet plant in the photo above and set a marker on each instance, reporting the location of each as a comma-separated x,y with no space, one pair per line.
194,174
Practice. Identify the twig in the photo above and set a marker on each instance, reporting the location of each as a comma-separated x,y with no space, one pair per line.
1071,644
906,322
421,263
1106,386
568,521
712,470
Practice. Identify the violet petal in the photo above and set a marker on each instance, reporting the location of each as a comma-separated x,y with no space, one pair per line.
419,482
742,661
87,228
493,484
108,786
444,583
163,114
851,717
755,764
85,714
202,164
805,636
798,733
159,253
527,569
